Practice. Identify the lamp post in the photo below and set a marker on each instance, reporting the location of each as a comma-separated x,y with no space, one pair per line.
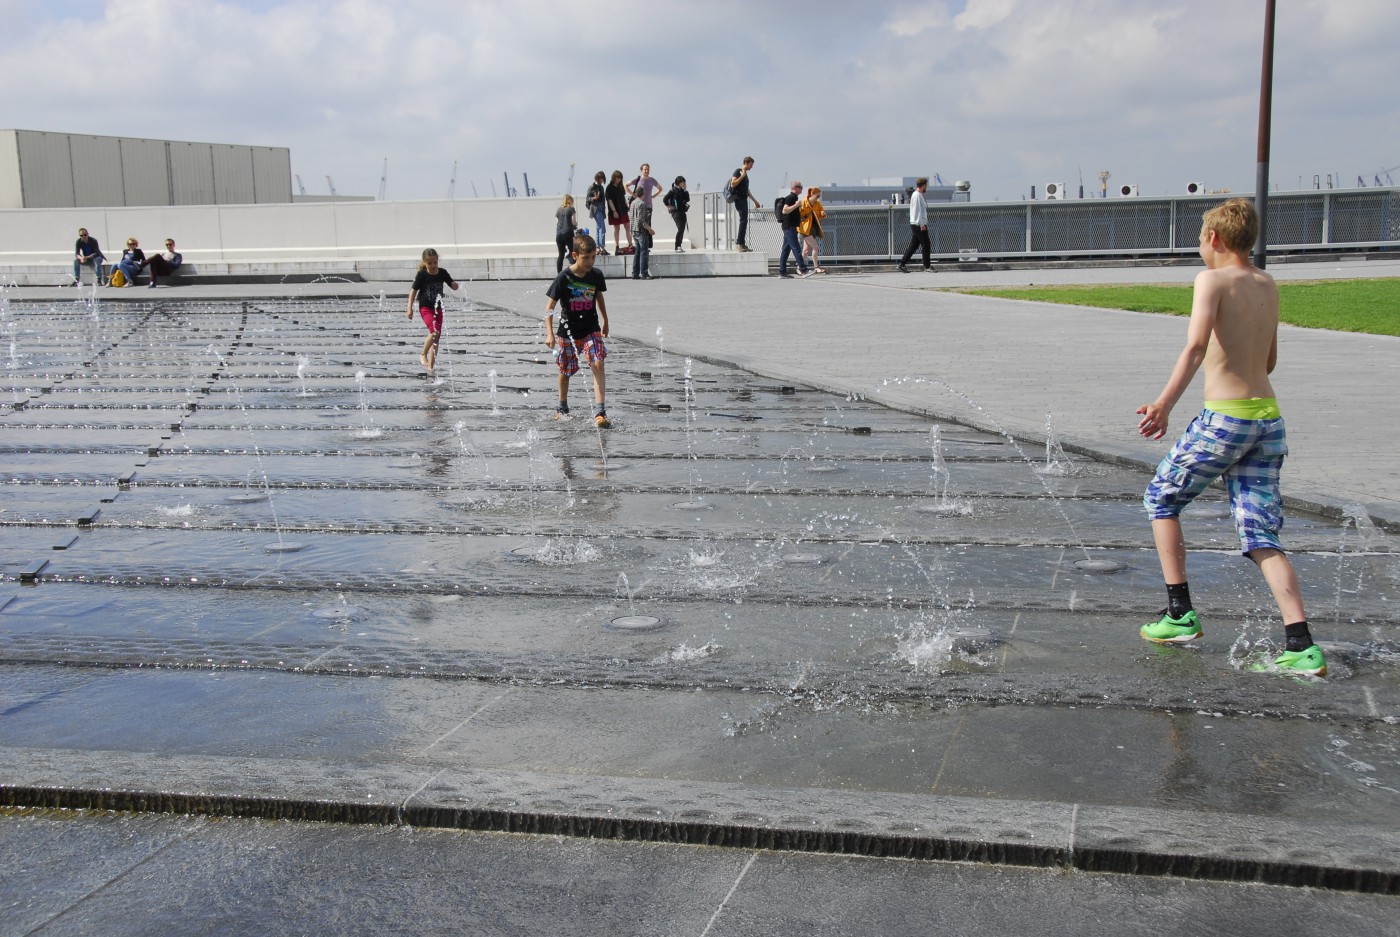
1261,181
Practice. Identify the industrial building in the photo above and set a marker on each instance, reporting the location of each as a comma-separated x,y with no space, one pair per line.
72,170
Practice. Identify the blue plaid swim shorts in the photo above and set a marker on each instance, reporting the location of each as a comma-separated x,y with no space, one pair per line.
1248,453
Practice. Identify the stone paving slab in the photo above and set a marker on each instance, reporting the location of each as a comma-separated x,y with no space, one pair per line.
112,874
989,831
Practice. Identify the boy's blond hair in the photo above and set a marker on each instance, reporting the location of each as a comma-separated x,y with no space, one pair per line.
1236,222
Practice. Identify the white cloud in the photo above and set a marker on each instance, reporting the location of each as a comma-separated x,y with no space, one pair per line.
1007,93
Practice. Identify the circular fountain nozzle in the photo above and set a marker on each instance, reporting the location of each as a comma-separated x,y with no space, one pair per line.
284,546
636,623
1098,566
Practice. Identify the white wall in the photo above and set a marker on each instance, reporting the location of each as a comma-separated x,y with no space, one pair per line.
494,227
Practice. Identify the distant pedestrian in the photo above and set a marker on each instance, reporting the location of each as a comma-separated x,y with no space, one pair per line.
565,226
1239,436
616,196
583,323
810,227
165,263
426,297
133,259
740,196
918,226
642,235
677,202
86,253
790,217
595,203
644,185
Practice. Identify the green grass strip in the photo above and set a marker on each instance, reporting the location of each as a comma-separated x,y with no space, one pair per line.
1371,305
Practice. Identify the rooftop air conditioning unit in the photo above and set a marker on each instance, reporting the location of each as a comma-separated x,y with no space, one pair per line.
1127,191
1195,188
1055,191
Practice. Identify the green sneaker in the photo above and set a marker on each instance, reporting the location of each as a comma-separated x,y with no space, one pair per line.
1169,630
1309,661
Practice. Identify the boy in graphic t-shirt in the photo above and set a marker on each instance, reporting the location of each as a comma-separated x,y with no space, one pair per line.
582,324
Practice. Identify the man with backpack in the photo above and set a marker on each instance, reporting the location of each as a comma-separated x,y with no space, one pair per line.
737,193
786,208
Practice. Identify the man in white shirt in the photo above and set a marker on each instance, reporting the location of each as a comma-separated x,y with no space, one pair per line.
918,226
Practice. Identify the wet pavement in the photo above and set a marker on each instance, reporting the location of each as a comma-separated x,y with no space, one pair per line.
256,562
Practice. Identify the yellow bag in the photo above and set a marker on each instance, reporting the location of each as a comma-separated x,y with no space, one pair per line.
118,278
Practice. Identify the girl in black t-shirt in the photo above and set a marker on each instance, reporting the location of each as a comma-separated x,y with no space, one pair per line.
427,294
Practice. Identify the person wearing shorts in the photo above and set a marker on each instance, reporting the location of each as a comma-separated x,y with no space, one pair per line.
1248,453
426,294
583,322
1238,437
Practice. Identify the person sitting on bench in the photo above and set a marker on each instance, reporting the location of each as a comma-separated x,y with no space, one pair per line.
165,263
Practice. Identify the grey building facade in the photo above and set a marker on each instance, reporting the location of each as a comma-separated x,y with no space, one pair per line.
40,169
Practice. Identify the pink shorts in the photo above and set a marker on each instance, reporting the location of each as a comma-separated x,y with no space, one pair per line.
566,355
432,318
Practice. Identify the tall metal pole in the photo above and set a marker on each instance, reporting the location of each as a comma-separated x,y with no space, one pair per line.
1266,96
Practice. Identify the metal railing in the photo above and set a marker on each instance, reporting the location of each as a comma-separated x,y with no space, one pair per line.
1359,219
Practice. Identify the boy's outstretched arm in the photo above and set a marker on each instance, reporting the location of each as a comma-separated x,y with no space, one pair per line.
549,326
1205,303
602,315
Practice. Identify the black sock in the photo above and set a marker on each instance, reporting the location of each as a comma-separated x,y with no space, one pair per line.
1178,599
563,406
1297,637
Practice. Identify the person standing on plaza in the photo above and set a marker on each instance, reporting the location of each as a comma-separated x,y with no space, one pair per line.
642,236
644,185
791,216
677,202
565,225
1238,436
810,227
583,323
616,195
595,203
918,226
426,296
740,196
86,253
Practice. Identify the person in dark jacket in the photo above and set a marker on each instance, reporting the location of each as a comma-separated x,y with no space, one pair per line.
616,195
165,263
677,202
86,253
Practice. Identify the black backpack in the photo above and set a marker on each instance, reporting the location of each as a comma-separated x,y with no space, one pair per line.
778,207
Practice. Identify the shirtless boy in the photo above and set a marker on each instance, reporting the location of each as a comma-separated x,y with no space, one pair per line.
1239,435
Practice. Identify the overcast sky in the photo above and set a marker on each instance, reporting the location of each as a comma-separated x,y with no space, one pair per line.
1005,93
